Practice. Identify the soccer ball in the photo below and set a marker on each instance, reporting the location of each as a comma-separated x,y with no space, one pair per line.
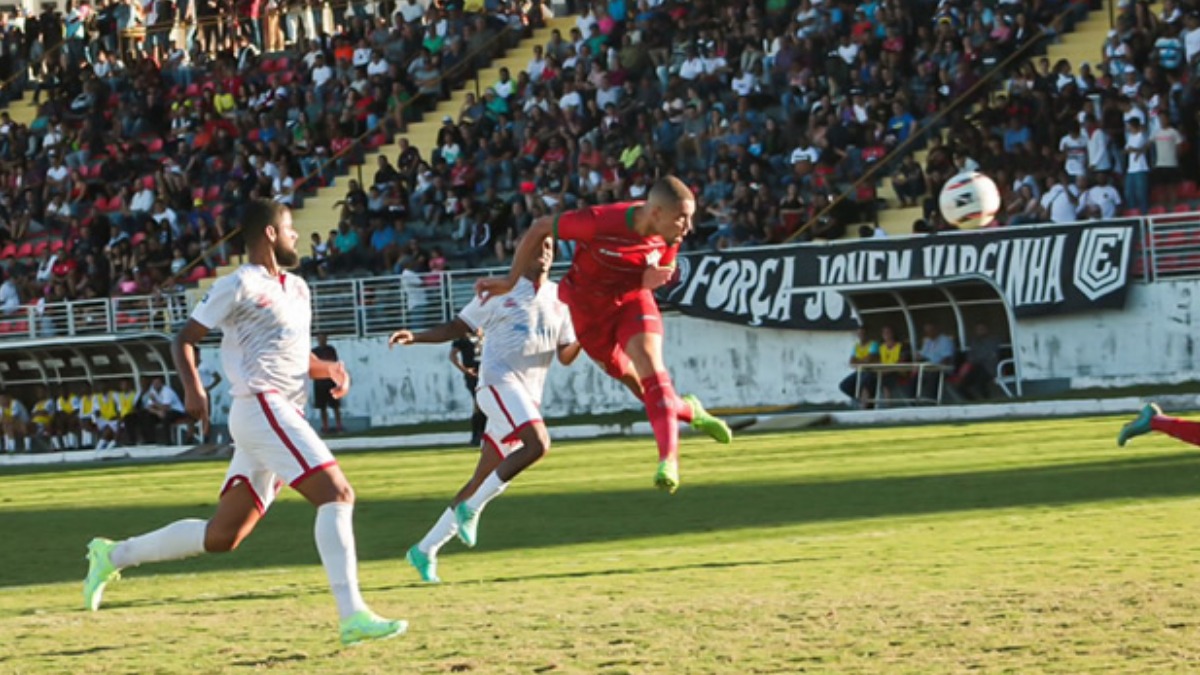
969,200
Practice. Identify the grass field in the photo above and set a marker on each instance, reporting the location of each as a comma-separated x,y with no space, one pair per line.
1003,547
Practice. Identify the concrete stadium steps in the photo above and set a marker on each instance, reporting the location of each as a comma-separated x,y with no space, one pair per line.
1084,43
423,134
896,221
319,215
23,111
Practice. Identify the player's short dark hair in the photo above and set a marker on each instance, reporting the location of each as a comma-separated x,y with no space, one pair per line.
257,215
670,191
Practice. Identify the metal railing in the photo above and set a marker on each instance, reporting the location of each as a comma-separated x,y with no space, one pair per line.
1168,248
383,304
159,312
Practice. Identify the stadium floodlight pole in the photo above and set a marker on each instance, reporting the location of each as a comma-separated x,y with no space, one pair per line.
354,145
898,151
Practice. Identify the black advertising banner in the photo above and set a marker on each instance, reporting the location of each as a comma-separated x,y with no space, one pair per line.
1040,270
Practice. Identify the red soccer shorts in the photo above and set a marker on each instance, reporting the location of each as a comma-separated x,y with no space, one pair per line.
604,326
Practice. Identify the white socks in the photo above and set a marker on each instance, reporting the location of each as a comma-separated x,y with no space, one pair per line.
180,539
442,532
490,489
334,532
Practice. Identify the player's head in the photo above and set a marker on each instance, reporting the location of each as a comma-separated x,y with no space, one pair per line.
269,223
670,205
540,266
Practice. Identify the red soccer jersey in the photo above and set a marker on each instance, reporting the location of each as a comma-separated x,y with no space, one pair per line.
610,257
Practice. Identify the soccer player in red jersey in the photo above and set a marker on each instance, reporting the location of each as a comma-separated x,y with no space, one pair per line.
623,252
1151,418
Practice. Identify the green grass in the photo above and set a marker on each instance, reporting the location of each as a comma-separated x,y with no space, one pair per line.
1000,547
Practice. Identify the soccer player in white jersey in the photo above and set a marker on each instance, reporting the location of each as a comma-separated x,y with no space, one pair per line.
524,329
265,316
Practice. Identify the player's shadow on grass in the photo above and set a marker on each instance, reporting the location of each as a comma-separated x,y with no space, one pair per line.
47,546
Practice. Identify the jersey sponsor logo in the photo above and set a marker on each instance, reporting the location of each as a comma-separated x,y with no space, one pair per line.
262,301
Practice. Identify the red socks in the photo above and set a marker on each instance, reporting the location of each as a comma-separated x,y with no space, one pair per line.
1184,430
663,408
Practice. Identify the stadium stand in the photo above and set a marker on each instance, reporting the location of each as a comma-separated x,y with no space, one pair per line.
736,99
769,109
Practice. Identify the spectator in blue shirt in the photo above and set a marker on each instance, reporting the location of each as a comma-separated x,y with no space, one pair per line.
1170,49
1016,136
937,348
901,123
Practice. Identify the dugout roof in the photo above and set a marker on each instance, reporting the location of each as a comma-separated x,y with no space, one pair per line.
955,304
99,359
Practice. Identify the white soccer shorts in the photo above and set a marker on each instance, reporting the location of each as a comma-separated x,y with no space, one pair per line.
509,409
273,444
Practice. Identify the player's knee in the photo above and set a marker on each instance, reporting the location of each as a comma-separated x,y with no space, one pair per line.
537,444
537,450
342,493
219,539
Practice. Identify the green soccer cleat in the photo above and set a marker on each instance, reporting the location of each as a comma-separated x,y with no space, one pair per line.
468,523
426,565
366,625
706,423
1140,425
101,571
667,476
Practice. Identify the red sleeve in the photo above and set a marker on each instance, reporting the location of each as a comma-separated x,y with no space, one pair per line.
584,224
669,256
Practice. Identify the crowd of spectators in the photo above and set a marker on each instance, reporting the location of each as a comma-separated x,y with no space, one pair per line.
1101,139
769,109
147,143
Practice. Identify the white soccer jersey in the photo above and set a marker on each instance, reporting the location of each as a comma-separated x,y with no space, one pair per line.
265,320
523,331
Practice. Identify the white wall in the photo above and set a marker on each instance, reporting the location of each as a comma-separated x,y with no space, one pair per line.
1152,341
727,365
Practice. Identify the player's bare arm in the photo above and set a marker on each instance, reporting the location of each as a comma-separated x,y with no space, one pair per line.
183,352
657,276
446,332
528,250
568,353
456,359
330,370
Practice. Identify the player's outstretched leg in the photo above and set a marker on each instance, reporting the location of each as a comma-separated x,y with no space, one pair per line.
106,559
1142,424
535,442
1151,418
702,421
333,531
423,555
